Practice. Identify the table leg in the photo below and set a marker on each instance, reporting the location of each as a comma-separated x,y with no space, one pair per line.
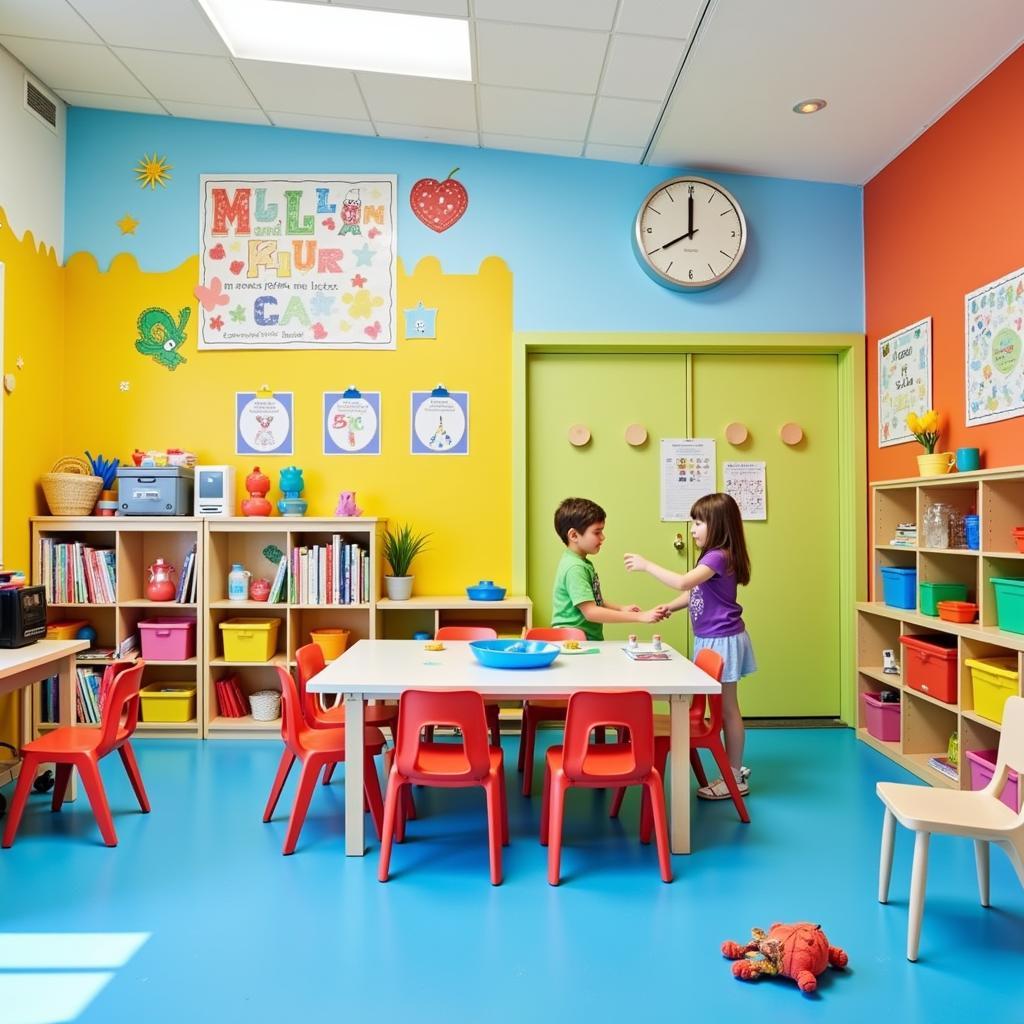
66,701
355,842
679,773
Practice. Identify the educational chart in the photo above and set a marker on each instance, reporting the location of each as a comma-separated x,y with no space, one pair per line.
351,422
264,422
297,261
440,422
995,371
745,481
904,380
688,472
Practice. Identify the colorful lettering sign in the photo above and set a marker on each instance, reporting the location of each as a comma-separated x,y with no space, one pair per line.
904,380
994,327
351,422
301,261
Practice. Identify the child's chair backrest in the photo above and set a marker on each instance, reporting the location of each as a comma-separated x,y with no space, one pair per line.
1011,741
711,662
121,683
554,633
291,710
310,661
632,710
463,709
466,633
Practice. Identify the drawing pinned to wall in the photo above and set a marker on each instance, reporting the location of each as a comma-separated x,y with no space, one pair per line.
994,324
153,170
904,380
264,421
127,224
688,472
289,243
439,204
161,337
440,422
351,422
746,482
420,322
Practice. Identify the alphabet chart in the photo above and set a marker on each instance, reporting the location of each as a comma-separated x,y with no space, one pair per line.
351,422
745,481
688,472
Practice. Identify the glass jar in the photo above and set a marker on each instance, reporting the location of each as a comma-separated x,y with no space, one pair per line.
937,519
957,530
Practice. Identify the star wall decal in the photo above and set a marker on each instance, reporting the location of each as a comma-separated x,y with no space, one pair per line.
127,224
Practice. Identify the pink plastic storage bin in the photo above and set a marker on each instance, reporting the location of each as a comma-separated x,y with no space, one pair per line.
168,639
881,718
983,767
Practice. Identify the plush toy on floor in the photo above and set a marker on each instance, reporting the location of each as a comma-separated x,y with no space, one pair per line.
797,951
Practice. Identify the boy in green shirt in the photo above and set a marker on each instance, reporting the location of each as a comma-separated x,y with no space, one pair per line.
577,599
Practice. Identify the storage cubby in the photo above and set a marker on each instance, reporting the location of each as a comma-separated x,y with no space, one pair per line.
400,619
895,506
137,550
875,634
927,727
251,679
948,567
1001,567
1002,508
900,558
961,496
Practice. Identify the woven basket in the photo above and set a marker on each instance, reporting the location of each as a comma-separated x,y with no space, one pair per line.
265,705
70,488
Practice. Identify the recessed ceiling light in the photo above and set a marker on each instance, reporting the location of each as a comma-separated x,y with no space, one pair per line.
809,106
340,37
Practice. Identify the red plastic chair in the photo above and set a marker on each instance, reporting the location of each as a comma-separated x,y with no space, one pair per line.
706,733
579,763
450,765
77,747
316,749
492,708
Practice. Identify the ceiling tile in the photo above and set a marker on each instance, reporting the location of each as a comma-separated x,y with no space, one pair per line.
326,92
45,19
419,133
400,99
452,8
623,122
188,78
525,144
658,18
596,14
559,58
208,112
639,68
75,66
528,112
309,123
103,101
620,154
178,25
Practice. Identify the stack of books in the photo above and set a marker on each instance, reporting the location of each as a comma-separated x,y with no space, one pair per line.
231,701
905,537
188,580
334,573
76,573
942,764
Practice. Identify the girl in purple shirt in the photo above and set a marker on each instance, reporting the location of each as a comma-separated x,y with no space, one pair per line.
709,590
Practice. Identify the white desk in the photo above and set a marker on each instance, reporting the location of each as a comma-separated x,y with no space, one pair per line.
386,668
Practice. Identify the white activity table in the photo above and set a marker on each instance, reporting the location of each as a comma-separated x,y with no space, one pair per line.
384,669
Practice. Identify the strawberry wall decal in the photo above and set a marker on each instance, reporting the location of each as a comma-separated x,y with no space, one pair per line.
439,204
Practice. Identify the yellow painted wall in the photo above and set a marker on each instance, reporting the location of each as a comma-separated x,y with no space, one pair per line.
464,501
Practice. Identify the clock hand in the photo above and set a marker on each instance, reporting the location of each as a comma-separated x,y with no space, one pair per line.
689,234
689,214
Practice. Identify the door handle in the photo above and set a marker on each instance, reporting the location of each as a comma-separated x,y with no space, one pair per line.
679,543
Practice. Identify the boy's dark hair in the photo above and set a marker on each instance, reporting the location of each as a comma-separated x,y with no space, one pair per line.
577,514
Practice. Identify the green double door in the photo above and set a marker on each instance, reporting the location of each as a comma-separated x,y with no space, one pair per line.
792,604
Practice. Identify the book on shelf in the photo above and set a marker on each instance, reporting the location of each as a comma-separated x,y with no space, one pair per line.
942,764
277,588
96,653
335,573
128,647
185,577
75,573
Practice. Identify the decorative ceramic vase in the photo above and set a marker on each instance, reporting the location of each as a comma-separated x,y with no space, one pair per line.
257,484
160,586
936,464
399,588
291,484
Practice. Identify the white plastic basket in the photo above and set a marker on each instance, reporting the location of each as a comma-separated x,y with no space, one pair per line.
266,705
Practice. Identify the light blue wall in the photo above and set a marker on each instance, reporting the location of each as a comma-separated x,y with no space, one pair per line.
563,225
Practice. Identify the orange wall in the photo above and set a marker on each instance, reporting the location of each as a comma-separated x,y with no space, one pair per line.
944,218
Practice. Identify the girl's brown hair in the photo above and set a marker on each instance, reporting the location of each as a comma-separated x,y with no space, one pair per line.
725,530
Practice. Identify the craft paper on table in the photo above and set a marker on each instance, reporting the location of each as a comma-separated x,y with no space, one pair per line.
297,261
351,422
688,472
995,370
904,381
263,423
440,422
745,481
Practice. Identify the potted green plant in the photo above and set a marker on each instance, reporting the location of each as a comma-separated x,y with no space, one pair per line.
400,548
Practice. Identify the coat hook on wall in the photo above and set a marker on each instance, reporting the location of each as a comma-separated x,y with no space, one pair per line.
736,433
791,433
579,435
636,435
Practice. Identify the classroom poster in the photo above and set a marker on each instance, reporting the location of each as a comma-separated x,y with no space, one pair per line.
993,330
688,472
351,422
904,380
440,422
297,261
264,422
745,481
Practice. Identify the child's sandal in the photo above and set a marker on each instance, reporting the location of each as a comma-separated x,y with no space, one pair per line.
718,790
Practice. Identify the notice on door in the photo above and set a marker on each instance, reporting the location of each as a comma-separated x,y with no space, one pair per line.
688,472
745,481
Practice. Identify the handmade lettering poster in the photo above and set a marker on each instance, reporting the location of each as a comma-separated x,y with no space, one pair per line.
745,481
351,422
995,370
297,261
904,380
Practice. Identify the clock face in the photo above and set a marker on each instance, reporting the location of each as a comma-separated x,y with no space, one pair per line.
690,233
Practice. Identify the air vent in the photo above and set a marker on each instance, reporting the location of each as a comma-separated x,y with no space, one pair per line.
40,103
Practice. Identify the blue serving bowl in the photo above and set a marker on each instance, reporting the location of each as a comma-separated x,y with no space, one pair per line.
485,590
514,653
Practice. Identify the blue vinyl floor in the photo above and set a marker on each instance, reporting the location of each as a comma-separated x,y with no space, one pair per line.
197,916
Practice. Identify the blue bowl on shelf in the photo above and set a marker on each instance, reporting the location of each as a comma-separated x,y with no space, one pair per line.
485,590
514,653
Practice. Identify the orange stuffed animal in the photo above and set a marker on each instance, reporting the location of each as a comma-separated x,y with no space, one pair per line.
797,951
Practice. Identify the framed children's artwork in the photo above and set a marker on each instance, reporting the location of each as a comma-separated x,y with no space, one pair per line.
297,261
440,422
351,422
264,423
904,380
993,317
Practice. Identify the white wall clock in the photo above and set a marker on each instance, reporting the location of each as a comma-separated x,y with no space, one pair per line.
690,233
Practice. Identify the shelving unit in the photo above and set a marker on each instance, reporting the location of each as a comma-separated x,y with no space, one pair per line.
925,722
136,541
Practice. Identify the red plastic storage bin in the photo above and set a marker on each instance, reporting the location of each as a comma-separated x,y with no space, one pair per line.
929,665
882,718
983,767
168,638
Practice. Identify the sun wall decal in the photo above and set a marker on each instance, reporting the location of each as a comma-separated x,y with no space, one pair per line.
153,170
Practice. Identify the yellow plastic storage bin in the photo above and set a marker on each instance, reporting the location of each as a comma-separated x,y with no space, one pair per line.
168,702
249,639
994,680
66,630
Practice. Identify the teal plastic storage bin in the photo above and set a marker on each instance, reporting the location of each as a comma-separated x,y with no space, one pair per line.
899,587
933,593
1009,603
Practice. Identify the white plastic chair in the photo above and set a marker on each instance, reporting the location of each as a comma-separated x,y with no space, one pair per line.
980,815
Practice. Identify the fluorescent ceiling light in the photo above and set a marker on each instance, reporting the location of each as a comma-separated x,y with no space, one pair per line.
339,37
